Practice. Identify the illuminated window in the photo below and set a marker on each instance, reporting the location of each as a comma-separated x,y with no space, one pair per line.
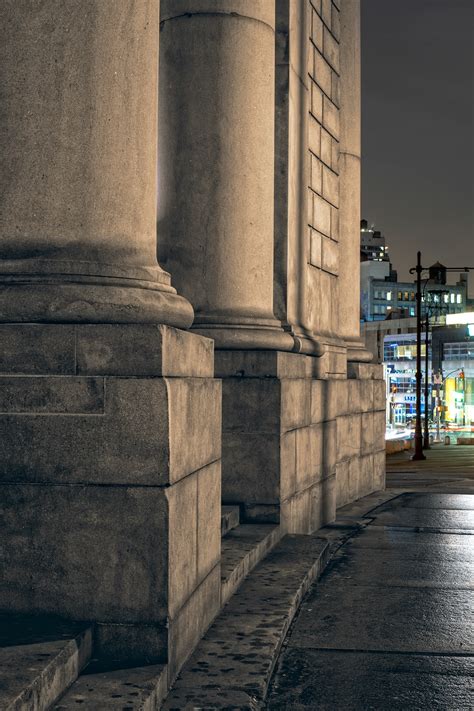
389,296
458,298
400,296
446,298
452,298
412,296
412,311
405,296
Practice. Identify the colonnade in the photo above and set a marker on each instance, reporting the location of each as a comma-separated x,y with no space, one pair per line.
79,166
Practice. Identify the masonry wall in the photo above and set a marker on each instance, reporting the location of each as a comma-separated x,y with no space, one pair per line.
317,213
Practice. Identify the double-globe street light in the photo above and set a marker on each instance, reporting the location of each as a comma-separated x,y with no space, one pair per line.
436,272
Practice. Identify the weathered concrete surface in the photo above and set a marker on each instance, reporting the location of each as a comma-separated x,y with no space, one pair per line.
39,659
389,624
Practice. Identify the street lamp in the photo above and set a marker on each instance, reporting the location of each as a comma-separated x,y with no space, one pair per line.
436,272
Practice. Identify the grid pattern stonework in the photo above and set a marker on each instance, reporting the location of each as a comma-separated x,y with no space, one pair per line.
323,142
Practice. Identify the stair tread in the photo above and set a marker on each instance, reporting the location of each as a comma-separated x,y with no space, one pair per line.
124,689
233,662
232,665
40,657
241,550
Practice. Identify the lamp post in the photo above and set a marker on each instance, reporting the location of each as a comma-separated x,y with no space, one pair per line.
418,437
433,301
437,272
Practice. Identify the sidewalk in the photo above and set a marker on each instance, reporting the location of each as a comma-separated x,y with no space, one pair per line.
388,626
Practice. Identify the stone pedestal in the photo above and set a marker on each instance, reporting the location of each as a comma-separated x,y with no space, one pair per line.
278,443
111,491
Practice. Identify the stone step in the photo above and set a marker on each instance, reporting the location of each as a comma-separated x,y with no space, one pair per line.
233,663
40,657
136,689
144,688
230,518
241,550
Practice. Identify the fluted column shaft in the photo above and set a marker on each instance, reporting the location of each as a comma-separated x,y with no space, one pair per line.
78,84
216,165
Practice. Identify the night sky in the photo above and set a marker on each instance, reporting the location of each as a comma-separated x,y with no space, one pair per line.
417,129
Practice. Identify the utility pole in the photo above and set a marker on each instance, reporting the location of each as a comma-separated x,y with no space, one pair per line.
418,436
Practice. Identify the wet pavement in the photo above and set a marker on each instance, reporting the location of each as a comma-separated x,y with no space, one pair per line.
390,624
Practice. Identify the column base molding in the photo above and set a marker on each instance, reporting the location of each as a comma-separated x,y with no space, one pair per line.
357,352
91,302
244,337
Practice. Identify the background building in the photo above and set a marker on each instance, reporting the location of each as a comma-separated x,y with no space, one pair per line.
382,295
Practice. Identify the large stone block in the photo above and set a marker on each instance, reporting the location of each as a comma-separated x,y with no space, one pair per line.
379,470
108,431
139,350
251,405
343,484
52,395
367,395
37,349
250,468
310,509
367,433
295,403
262,364
130,558
209,492
354,398
319,397
193,620
338,398
289,480
128,554
86,552
142,350
348,436
379,394
364,371
366,477
379,431
329,447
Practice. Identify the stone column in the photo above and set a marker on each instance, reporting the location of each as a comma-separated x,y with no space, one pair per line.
216,165
110,418
78,172
349,177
